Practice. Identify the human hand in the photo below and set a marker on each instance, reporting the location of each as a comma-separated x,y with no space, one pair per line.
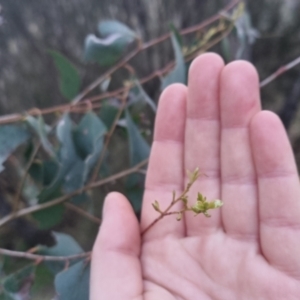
249,249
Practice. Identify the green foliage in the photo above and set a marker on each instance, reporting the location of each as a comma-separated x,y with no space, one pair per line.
138,147
69,79
108,114
17,285
73,283
110,27
40,128
11,136
144,96
65,245
178,74
106,51
77,146
139,150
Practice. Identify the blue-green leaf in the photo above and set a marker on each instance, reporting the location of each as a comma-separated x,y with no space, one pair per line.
74,282
139,149
105,51
69,77
65,246
41,129
178,74
67,153
145,96
70,173
67,159
89,138
17,286
49,217
108,114
109,27
87,132
11,136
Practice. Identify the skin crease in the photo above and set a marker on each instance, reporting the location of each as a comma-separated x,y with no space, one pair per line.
248,249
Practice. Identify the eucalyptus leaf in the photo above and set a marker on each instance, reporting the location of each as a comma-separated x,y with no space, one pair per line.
41,129
89,139
65,246
74,282
105,51
108,114
11,137
67,159
145,96
134,187
87,132
43,282
178,74
71,164
49,217
17,286
139,149
109,27
67,153
69,76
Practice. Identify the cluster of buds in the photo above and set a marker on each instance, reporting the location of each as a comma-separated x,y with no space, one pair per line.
202,206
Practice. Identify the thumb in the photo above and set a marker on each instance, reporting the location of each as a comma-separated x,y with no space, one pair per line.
115,258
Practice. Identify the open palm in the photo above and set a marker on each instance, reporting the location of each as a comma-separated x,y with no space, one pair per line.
249,249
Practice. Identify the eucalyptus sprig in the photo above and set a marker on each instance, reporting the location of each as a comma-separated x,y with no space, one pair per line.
202,206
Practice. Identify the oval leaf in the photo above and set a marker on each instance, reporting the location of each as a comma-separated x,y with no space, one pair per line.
74,282
105,51
17,286
68,75
41,129
138,147
178,74
87,132
11,136
109,27
65,246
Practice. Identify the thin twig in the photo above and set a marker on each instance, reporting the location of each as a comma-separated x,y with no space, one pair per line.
280,71
161,72
83,213
166,211
39,257
142,47
64,198
20,189
108,137
108,73
12,118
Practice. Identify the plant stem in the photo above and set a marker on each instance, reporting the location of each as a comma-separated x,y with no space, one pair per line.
19,191
83,213
141,47
38,207
166,211
108,137
39,257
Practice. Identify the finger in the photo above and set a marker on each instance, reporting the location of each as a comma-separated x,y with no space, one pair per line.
202,135
279,193
165,171
116,270
239,102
